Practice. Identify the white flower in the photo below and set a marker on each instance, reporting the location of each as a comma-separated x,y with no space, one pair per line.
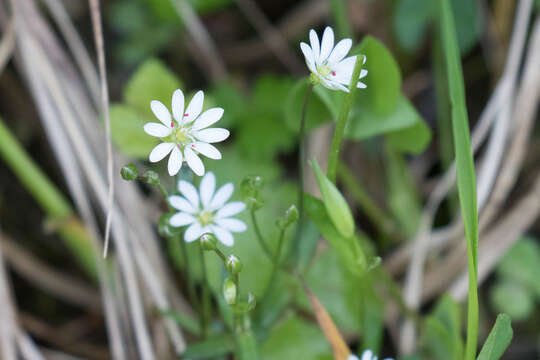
206,212
185,134
328,64
366,355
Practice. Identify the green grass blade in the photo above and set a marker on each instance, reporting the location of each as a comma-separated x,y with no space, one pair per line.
466,179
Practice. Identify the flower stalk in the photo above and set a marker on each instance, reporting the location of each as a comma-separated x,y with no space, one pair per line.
342,121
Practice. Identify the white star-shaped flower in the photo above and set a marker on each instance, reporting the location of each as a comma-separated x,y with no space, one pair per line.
328,64
185,134
366,355
207,212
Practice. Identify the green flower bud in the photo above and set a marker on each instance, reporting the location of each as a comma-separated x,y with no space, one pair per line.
151,177
229,291
208,242
291,215
233,265
335,203
249,188
129,172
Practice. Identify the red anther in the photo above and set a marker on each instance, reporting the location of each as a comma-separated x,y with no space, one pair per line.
172,123
333,73
193,146
178,145
186,114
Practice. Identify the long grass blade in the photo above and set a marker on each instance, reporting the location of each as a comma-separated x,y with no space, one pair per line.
466,179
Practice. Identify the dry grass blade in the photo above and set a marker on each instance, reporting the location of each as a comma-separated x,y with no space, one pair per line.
339,346
8,332
6,45
98,36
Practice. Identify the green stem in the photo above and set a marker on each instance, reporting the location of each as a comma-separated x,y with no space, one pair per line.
472,305
187,270
301,160
206,312
377,216
342,121
259,236
165,195
49,198
276,265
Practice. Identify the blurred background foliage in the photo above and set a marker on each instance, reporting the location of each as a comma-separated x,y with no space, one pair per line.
397,141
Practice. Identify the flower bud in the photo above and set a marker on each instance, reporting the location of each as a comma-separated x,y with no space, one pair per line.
335,204
249,188
229,291
291,215
151,177
129,172
233,265
208,242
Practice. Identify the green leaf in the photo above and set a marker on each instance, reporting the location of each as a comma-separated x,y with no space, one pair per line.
323,106
209,349
521,264
411,20
336,207
127,131
151,81
230,98
513,299
442,332
262,132
498,340
349,250
295,339
466,179
413,139
383,80
405,129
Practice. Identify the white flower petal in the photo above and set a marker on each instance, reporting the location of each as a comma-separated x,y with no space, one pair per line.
210,151
367,355
340,51
194,162
212,135
361,85
327,44
182,204
308,55
190,192
194,108
160,151
193,232
230,209
181,219
352,357
208,118
207,188
363,73
178,105
175,161
157,130
231,224
223,194
224,236
161,112
315,47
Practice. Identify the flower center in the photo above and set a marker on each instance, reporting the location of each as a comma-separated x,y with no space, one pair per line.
324,70
205,218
